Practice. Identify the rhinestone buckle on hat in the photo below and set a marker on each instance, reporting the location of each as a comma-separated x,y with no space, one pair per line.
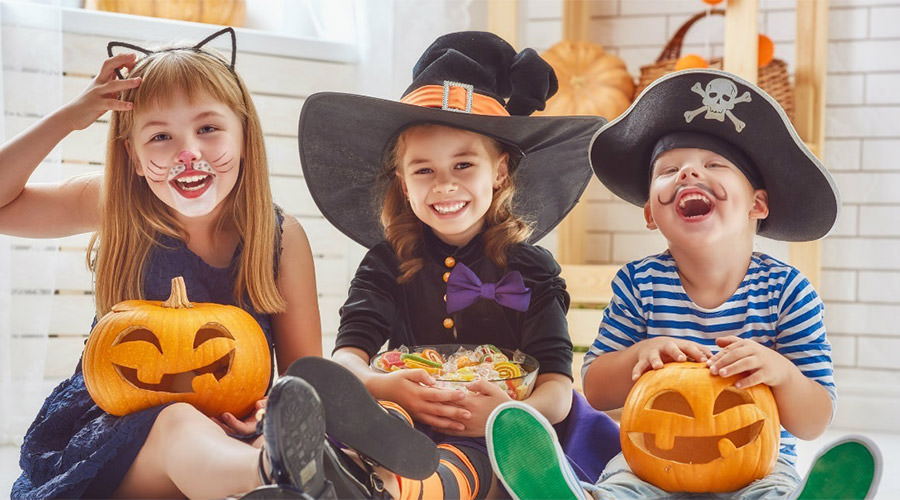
448,94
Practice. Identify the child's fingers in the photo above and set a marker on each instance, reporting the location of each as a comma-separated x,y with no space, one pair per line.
727,341
113,87
674,352
639,368
442,395
124,60
697,352
754,378
118,105
418,376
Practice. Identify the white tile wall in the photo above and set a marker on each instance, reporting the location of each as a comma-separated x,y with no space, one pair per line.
860,280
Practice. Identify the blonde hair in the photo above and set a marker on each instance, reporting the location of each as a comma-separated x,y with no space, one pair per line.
405,232
133,217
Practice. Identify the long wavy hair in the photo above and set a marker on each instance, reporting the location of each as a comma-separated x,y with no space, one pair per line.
405,232
133,218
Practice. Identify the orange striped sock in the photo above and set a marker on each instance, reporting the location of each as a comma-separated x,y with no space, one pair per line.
455,478
393,407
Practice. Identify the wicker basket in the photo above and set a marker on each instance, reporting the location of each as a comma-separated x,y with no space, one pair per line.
773,77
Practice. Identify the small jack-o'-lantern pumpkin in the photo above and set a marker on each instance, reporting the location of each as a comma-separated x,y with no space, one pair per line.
684,429
146,353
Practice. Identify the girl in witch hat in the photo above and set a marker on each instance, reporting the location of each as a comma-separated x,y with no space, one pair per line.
449,188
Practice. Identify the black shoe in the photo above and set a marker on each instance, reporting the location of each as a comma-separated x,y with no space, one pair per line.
354,418
294,435
350,480
275,492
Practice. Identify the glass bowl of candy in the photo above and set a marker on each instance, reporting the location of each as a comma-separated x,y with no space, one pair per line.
454,366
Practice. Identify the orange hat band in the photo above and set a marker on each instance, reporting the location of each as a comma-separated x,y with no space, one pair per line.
454,96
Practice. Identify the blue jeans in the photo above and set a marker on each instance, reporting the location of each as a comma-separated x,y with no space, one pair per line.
618,483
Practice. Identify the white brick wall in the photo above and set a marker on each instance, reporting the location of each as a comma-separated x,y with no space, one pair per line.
861,258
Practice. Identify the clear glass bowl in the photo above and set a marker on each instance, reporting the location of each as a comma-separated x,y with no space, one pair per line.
517,388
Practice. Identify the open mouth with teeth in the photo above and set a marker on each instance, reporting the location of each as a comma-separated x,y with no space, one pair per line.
698,449
449,207
694,205
178,382
192,183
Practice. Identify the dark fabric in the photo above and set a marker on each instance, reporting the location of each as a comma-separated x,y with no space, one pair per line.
73,448
378,309
803,199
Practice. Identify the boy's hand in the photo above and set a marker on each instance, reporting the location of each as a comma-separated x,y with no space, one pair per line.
760,364
654,353
414,390
102,94
480,402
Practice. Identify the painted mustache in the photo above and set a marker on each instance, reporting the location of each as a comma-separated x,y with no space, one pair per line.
160,173
718,194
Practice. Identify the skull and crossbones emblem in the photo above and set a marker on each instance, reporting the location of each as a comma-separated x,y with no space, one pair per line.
719,98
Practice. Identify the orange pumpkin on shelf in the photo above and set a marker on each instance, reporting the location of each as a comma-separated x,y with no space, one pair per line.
146,353
684,429
591,82
690,61
224,12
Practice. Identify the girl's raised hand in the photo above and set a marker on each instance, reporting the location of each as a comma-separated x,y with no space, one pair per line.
102,94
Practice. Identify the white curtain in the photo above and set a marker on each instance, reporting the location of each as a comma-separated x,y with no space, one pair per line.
31,58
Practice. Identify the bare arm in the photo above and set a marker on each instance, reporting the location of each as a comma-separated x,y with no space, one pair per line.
552,396
297,330
67,208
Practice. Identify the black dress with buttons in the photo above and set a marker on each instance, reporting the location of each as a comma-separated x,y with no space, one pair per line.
380,310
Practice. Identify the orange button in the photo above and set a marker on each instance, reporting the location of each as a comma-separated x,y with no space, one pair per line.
448,323
449,262
446,276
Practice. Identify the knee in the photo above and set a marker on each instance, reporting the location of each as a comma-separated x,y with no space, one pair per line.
177,416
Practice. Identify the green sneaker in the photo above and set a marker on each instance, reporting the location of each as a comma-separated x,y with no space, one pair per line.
527,457
849,468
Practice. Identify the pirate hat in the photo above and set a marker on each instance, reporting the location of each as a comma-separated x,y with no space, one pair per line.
736,116
469,80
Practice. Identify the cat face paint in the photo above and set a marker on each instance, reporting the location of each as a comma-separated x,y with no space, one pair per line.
189,152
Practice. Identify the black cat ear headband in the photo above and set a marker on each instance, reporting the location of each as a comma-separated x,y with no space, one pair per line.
196,48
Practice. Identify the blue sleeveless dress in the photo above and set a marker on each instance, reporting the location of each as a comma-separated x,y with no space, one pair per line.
73,449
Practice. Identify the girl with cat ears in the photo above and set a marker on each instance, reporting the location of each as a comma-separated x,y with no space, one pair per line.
185,192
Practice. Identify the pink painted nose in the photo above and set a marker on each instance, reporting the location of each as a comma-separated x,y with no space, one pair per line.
186,157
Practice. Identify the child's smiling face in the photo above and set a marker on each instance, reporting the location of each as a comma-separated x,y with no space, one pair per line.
189,151
700,197
449,176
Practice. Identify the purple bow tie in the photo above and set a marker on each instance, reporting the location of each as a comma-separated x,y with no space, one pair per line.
464,288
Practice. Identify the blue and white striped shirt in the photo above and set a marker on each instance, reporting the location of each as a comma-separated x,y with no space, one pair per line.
774,305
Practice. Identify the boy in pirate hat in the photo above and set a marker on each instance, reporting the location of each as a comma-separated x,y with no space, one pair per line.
449,188
714,161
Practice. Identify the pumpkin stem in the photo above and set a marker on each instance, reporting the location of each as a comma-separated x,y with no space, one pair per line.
178,299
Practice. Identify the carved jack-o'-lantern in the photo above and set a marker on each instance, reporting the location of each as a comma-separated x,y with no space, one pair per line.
684,429
146,353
